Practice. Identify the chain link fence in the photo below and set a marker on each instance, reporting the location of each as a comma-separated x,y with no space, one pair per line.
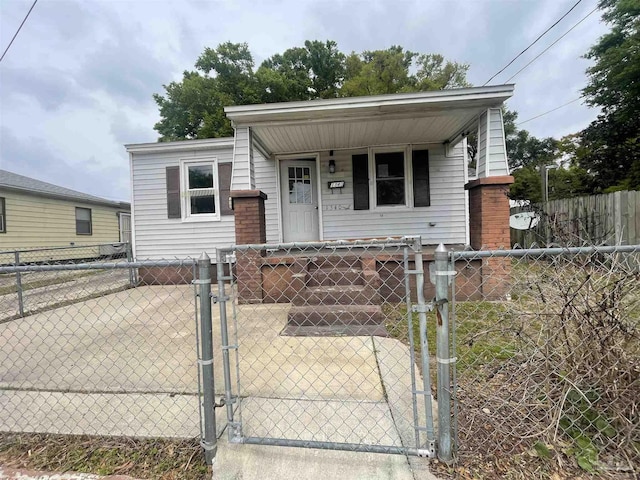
322,347
104,348
548,355
27,292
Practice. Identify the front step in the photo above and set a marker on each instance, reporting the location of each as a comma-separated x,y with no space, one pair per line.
335,331
337,295
331,277
335,315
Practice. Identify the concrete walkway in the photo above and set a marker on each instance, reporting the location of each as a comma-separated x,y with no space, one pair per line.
124,364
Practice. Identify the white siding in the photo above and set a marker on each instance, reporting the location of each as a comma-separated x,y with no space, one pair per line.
492,150
265,174
241,177
447,210
158,237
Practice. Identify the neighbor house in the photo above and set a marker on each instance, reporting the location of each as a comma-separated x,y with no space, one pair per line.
344,168
36,214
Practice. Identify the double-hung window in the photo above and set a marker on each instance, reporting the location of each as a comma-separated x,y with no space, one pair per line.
83,221
200,189
3,216
391,177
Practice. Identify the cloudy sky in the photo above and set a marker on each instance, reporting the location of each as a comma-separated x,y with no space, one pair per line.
78,81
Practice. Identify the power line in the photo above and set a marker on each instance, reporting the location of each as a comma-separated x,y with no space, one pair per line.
18,31
553,110
560,38
534,42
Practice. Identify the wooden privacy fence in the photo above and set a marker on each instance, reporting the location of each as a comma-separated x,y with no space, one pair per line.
608,219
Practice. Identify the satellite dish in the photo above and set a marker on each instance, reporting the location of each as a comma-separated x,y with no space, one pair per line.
524,220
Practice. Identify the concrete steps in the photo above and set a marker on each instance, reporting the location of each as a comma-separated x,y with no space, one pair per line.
338,297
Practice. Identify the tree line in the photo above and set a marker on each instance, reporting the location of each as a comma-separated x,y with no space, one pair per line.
603,157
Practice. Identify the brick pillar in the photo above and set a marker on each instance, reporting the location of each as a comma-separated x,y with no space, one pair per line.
489,230
248,209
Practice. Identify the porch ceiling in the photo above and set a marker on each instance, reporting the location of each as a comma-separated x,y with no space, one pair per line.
424,117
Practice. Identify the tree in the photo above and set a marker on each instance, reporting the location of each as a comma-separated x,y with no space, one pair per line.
226,75
610,145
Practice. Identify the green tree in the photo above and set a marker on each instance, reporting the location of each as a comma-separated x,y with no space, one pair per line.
226,75
610,145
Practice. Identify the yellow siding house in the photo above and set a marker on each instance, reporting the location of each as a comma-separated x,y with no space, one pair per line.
36,214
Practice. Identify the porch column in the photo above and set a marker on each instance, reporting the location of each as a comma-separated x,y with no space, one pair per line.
250,225
489,230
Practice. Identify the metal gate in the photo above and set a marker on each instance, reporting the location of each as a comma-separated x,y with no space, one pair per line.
324,345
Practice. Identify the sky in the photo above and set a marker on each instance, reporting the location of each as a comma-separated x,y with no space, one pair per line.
78,81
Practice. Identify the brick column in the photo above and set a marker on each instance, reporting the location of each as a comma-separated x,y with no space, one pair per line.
489,230
248,209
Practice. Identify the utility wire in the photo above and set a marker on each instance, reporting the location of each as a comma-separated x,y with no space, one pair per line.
552,110
18,31
545,50
533,43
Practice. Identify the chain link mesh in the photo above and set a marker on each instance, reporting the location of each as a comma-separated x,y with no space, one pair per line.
103,346
548,354
325,353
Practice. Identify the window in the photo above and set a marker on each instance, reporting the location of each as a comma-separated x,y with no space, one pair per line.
400,178
3,216
200,180
83,221
300,188
389,174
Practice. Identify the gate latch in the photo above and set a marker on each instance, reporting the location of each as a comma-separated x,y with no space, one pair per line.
220,404
427,307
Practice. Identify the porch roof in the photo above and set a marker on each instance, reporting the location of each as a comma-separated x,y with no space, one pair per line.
422,117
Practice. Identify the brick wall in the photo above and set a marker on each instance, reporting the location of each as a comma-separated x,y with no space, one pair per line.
250,225
489,230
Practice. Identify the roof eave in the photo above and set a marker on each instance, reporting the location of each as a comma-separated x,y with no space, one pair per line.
252,114
68,198
180,145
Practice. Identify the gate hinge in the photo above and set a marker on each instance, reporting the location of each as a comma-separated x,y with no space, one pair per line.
427,307
215,298
220,404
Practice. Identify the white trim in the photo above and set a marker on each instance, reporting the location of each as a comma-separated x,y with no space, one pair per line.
504,142
465,159
132,208
186,214
298,156
487,145
378,104
179,146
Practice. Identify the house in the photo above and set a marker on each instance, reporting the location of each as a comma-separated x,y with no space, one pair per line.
36,214
345,168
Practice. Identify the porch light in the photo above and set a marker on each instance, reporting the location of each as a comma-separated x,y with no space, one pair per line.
332,166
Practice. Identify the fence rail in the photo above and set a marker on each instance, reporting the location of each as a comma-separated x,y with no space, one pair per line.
607,219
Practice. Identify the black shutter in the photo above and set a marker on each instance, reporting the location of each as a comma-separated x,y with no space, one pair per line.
224,183
173,192
360,165
420,165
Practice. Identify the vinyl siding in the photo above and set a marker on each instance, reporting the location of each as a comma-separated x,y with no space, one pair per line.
39,222
447,210
241,176
492,151
158,237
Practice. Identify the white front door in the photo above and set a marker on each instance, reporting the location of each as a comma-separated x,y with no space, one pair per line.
299,200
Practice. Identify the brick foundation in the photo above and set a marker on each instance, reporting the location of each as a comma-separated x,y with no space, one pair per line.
489,230
249,214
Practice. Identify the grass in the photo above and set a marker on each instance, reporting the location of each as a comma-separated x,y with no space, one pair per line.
482,340
140,458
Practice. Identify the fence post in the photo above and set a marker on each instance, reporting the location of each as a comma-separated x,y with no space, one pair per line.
206,337
235,434
19,285
442,352
132,280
